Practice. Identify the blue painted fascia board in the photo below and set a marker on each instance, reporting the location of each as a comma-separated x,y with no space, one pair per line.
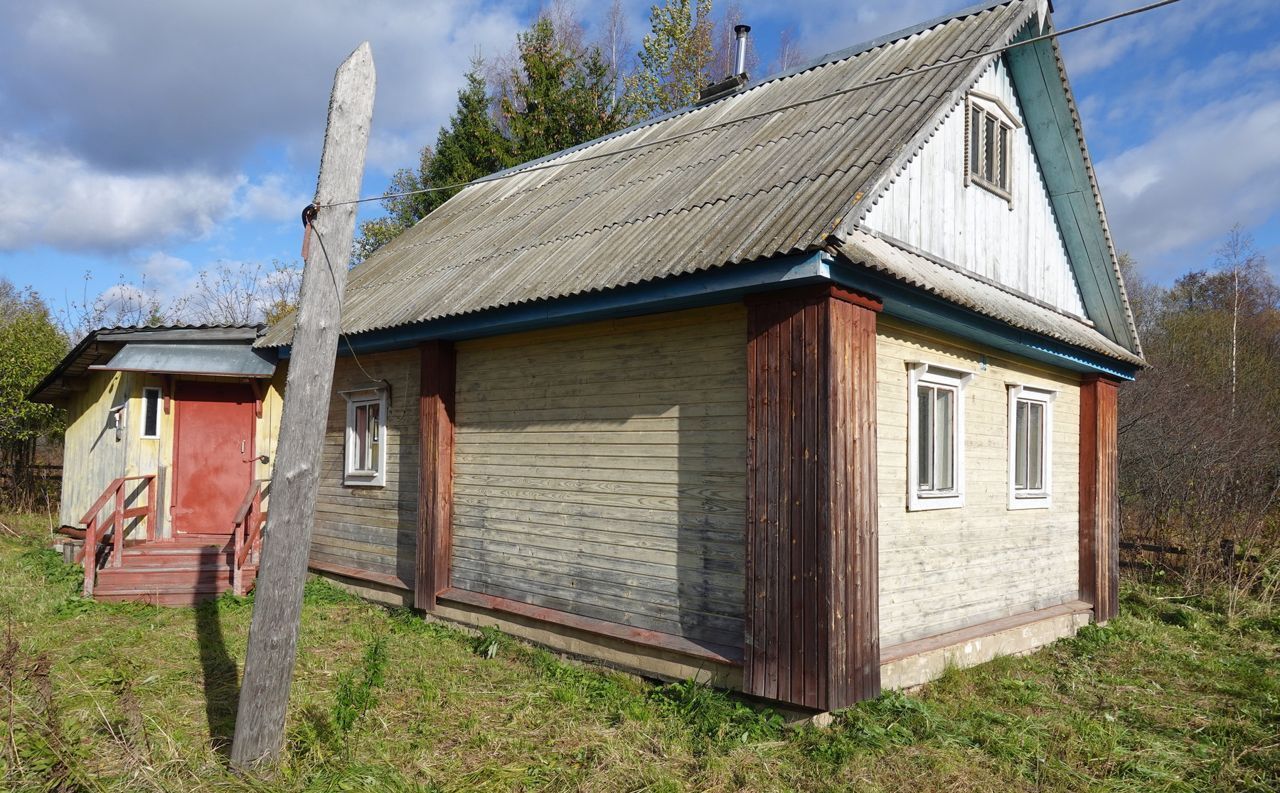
915,305
721,285
731,283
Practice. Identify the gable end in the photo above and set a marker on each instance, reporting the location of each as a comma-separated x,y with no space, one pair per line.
1053,129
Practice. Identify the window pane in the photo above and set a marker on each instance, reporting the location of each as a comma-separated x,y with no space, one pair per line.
944,432
924,440
989,144
1035,446
151,412
375,437
362,437
1020,446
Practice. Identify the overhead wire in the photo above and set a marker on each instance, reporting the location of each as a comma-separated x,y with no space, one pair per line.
559,163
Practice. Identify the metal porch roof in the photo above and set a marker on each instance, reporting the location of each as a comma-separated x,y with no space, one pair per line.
218,360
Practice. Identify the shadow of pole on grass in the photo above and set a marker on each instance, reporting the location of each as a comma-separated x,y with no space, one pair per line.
221,676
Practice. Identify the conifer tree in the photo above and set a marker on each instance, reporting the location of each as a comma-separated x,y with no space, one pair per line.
561,95
675,57
471,146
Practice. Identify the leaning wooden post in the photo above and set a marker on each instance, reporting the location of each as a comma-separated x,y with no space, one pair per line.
273,634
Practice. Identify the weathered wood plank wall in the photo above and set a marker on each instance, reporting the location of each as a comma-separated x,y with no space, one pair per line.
372,528
435,478
929,207
812,636
946,569
599,470
92,456
1099,497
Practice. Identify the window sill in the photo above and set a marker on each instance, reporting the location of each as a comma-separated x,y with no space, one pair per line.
916,503
1030,502
357,481
995,190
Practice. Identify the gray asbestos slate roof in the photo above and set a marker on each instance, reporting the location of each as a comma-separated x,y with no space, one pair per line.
771,170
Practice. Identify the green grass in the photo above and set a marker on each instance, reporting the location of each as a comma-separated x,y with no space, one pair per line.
1171,696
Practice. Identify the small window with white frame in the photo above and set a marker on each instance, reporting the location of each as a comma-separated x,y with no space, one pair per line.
1030,447
365,460
151,398
935,437
990,129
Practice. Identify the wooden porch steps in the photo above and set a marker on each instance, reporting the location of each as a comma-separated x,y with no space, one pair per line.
178,572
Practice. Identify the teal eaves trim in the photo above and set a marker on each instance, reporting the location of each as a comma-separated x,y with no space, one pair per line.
1051,127
915,305
706,288
731,283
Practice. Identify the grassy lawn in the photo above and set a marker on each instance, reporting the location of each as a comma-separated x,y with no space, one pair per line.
1172,695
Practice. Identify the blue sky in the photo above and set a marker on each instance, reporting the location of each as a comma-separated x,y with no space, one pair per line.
149,140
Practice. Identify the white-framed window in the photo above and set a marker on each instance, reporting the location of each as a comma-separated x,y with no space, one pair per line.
989,129
366,453
935,437
151,399
1030,447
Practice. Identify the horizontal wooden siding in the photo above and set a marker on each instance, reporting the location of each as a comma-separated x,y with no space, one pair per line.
946,569
600,470
373,529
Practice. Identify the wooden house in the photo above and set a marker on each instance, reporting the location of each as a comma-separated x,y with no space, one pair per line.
170,432
807,390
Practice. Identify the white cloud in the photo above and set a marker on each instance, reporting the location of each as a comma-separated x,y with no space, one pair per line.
1192,181
55,199
166,275
270,199
60,200
135,84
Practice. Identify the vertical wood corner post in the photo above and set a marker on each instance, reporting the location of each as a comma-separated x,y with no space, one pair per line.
435,485
273,634
1099,497
812,570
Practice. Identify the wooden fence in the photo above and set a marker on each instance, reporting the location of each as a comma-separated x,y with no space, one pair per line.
1145,555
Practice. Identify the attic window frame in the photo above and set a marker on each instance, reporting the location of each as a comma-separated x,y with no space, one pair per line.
990,107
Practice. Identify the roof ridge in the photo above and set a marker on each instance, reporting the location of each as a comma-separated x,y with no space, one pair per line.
822,60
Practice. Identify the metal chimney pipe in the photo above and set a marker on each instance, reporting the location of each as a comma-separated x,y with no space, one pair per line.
740,59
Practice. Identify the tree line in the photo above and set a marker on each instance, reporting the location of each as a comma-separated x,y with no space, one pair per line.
559,89
1200,428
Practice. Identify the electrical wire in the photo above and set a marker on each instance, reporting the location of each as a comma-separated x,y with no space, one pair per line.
334,277
764,113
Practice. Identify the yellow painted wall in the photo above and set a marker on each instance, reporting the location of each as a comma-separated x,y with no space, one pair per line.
93,457
949,568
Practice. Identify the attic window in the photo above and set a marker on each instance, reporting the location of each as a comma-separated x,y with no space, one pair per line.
990,127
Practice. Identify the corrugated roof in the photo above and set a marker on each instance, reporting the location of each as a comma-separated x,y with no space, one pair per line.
976,294
100,345
220,360
766,177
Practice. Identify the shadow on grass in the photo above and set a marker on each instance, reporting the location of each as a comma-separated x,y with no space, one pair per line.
221,676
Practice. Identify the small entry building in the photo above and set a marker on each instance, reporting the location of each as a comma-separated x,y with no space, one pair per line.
170,431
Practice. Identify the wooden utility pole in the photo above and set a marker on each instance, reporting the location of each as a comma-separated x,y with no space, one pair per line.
277,609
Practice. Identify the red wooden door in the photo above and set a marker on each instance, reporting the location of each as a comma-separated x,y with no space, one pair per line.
213,455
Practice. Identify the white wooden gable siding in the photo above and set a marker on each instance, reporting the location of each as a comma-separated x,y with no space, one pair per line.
929,207
600,471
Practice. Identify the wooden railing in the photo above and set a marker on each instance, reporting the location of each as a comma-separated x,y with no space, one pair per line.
250,522
96,531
